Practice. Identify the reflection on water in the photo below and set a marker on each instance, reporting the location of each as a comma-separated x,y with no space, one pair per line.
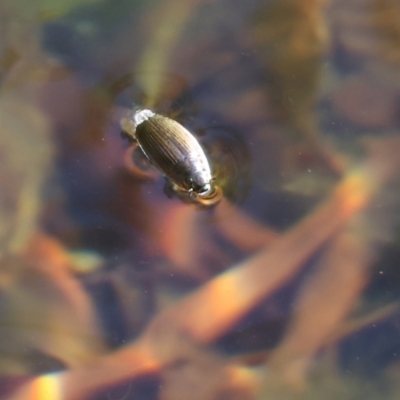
288,288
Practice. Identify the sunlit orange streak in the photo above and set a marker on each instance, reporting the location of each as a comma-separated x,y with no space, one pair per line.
240,229
47,387
49,256
224,300
325,300
182,238
178,238
82,382
42,248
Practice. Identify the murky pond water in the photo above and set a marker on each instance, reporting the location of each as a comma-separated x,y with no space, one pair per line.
115,284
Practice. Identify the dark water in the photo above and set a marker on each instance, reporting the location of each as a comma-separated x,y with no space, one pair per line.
296,105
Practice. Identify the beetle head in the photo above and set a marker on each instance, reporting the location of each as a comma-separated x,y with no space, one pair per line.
197,184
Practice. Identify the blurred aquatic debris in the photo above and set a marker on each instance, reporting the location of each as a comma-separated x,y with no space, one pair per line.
328,382
386,14
42,10
51,10
292,39
24,172
320,306
168,21
27,153
309,184
46,318
20,25
365,44
8,58
365,317
44,307
366,30
367,102
184,228
81,37
206,314
174,97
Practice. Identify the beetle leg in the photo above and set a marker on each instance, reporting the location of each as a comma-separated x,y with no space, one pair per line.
128,129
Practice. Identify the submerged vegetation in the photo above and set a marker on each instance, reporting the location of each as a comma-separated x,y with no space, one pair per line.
111,288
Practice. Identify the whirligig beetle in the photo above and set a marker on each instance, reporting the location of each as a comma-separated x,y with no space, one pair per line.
175,152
